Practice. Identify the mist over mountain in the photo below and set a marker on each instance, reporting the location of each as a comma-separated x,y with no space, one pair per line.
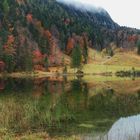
50,29
82,6
88,9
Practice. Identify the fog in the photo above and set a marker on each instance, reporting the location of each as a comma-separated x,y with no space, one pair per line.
82,5
125,13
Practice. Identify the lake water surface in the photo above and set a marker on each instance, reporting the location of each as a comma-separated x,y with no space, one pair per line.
90,109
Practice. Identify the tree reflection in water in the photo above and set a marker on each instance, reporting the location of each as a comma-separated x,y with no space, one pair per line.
125,129
64,107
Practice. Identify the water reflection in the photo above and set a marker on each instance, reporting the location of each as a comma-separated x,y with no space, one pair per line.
125,129
2,85
66,107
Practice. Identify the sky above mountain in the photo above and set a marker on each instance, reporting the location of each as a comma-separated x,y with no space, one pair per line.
124,12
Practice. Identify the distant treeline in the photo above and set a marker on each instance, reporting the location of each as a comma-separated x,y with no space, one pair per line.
129,73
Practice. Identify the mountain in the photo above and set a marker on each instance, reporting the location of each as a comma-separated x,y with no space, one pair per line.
94,15
41,33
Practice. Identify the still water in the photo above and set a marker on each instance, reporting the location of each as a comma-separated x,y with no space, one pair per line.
93,110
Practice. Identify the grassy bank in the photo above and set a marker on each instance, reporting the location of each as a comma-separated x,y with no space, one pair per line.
95,69
4,135
99,69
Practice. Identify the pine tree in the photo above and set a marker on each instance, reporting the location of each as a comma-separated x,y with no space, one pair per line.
138,46
46,63
9,61
1,51
28,58
28,62
76,57
6,7
85,51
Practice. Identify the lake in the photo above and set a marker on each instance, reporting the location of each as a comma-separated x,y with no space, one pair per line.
91,108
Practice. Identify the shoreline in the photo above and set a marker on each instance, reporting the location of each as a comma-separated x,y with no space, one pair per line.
48,74
89,69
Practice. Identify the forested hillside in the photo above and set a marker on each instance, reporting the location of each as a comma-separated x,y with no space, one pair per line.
36,34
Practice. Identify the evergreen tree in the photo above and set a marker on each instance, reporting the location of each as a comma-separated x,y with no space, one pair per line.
10,62
6,7
43,44
110,52
138,46
28,58
24,58
76,56
1,52
85,51
46,63
28,62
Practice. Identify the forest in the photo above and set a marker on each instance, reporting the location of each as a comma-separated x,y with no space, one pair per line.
35,37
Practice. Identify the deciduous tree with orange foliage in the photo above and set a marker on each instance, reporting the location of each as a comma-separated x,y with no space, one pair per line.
70,45
29,18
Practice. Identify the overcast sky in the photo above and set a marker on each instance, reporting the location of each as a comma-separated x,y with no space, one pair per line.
124,12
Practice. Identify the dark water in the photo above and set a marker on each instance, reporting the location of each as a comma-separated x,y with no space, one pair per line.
92,110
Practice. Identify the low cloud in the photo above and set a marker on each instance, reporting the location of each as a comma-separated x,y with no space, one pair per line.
82,5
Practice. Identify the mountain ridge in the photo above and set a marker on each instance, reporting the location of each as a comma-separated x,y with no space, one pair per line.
51,29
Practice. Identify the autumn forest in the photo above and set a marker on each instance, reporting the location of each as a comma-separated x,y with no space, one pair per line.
67,72
34,37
